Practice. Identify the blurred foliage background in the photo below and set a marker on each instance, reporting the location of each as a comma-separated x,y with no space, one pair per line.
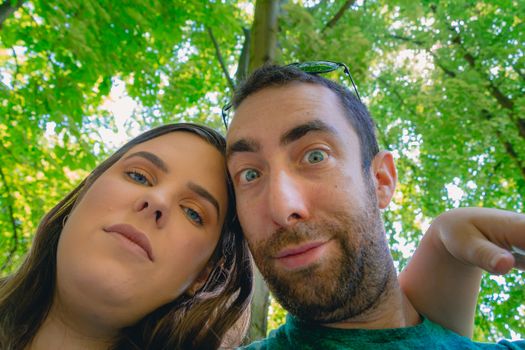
444,80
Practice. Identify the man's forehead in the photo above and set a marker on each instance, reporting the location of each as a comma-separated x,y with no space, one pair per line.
276,110
278,116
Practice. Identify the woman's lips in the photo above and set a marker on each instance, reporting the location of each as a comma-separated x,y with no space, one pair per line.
300,256
134,235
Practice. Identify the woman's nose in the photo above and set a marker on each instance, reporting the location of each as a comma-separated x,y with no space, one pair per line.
154,206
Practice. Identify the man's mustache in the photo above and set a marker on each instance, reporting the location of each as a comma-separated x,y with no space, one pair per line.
299,233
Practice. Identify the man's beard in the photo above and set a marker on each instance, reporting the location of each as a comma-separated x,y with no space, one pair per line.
341,285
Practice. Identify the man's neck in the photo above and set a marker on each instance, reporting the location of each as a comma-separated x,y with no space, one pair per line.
392,310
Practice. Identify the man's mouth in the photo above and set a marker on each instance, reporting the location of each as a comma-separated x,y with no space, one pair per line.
298,257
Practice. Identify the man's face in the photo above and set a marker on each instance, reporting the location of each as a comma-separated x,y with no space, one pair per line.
308,210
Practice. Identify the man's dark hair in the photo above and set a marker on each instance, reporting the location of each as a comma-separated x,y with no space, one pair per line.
356,112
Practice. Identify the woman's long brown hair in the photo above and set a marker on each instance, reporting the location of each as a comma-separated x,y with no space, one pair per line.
196,322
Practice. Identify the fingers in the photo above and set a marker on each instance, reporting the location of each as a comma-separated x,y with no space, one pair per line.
502,227
507,230
490,257
502,263
491,239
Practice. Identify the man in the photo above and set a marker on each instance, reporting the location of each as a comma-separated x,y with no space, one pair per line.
310,182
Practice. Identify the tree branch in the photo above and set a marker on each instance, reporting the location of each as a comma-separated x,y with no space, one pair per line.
331,23
509,148
519,71
419,43
500,97
400,98
502,100
30,15
219,57
494,90
512,153
17,67
8,151
244,59
14,248
422,45
7,9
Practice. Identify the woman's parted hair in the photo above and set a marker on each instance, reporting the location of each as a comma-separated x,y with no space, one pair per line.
196,322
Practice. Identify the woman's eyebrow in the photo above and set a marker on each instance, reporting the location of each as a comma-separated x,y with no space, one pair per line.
202,192
159,163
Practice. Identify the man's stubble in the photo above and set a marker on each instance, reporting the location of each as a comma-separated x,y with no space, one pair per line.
342,285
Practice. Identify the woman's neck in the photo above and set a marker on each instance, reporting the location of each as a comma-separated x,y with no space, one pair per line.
61,330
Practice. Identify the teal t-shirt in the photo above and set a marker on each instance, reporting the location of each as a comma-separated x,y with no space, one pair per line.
295,334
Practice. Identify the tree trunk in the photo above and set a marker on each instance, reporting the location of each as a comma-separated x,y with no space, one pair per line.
263,45
264,33
259,308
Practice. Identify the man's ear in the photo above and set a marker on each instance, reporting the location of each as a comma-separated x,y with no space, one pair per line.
384,174
199,281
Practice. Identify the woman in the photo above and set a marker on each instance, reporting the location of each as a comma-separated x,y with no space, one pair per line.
146,253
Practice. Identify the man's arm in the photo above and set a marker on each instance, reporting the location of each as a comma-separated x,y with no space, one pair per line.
443,277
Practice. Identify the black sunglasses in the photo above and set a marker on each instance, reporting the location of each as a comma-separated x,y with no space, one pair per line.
311,67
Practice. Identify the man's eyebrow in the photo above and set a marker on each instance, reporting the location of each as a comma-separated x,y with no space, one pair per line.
201,191
299,131
242,145
159,163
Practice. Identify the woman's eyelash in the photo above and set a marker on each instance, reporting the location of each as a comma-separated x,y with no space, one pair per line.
138,177
141,178
194,216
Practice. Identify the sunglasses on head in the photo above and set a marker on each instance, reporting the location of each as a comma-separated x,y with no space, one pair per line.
310,67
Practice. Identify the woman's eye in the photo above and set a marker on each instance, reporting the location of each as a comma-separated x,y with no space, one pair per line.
249,175
138,177
315,156
193,216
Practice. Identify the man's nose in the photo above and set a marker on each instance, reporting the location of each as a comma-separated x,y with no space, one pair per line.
287,199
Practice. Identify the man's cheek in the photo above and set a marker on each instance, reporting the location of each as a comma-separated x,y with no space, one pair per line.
247,214
251,235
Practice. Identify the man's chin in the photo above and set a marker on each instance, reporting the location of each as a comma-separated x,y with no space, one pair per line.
316,306
308,308
307,293
294,284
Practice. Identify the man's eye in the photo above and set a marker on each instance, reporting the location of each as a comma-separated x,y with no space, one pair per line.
138,177
193,216
249,175
315,156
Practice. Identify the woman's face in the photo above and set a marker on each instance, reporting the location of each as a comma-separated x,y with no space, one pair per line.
144,231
